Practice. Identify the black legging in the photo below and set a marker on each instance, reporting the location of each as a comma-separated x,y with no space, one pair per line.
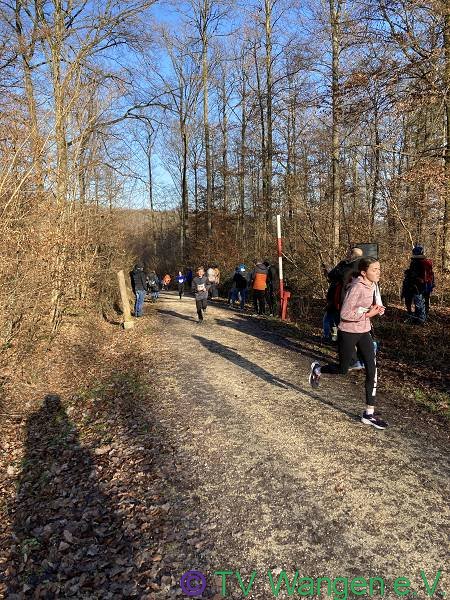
364,343
180,289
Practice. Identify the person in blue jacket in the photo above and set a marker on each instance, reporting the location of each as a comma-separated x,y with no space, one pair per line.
181,280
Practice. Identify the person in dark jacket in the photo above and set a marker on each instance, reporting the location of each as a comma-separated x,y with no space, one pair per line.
153,285
339,278
189,277
200,289
418,284
233,293
273,286
241,285
258,284
139,285
180,279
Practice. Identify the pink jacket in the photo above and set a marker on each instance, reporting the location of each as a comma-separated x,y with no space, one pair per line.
358,300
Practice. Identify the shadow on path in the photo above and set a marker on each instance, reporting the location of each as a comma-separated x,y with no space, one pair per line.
252,326
172,313
68,538
240,361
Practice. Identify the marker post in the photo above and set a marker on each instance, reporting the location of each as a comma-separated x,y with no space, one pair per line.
284,296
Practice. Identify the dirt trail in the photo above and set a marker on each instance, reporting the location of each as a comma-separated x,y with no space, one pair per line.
179,446
284,477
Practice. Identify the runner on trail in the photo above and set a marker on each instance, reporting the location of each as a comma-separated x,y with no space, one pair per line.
359,306
258,283
180,279
200,289
139,285
166,281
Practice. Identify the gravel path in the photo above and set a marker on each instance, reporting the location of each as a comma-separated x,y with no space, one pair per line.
279,476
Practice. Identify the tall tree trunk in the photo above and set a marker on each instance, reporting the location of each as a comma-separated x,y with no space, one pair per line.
150,169
269,145
55,38
26,48
224,146
335,15
60,105
242,160
288,177
446,232
205,82
263,140
195,166
376,175
184,194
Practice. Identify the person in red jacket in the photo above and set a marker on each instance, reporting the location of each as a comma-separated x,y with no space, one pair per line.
361,303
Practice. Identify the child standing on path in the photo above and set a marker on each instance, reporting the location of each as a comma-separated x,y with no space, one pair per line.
200,288
361,303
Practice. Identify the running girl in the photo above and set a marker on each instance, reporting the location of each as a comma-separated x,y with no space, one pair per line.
358,308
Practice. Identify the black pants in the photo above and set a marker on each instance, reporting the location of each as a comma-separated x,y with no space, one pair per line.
259,301
364,344
271,301
180,289
201,305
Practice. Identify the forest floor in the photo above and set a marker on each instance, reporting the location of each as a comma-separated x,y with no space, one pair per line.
130,457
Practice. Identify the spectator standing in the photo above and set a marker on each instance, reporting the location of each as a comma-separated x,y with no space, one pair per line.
418,285
234,293
211,276
139,285
215,293
153,285
241,283
273,286
258,284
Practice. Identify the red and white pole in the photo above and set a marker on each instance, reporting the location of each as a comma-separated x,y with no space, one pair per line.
280,262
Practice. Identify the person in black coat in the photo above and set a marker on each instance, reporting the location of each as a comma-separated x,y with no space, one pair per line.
139,285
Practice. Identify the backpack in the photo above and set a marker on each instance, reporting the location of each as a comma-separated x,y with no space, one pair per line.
336,277
336,289
152,282
428,276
